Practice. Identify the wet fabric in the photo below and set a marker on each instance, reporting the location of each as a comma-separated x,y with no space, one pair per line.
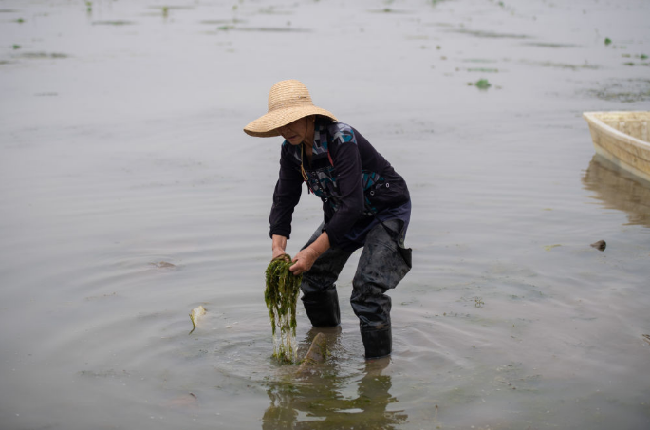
380,268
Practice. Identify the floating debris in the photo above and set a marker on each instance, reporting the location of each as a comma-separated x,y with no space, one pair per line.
222,21
389,10
272,11
624,91
608,41
482,84
267,29
43,55
483,69
114,23
163,265
550,45
196,313
489,34
585,66
549,247
104,296
281,294
110,373
168,8
646,337
600,245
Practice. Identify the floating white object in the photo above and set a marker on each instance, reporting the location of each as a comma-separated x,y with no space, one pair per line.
196,313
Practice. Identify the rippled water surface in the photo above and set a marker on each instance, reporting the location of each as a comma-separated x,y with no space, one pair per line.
130,195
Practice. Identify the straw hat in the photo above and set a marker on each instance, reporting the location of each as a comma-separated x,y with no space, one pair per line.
288,101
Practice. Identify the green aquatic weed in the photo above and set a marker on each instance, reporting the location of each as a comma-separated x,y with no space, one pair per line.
608,41
483,84
483,69
281,295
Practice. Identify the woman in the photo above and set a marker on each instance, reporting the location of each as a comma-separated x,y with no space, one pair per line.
365,202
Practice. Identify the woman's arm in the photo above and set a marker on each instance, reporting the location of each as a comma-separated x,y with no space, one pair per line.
278,245
286,195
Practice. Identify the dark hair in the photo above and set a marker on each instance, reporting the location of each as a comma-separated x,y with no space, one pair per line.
322,119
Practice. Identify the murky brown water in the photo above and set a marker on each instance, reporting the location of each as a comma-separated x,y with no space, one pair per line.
130,195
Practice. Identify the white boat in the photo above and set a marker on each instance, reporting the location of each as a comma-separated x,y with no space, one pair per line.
623,138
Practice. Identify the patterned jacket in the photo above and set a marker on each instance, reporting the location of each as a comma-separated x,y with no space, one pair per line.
352,179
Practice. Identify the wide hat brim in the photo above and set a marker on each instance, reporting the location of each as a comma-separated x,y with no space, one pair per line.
289,101
267,125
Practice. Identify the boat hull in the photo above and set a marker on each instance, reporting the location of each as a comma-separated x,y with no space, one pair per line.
623,138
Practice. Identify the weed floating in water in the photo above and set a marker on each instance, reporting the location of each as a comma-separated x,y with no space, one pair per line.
281,294
482,84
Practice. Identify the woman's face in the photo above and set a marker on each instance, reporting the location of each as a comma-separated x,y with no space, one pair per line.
298,131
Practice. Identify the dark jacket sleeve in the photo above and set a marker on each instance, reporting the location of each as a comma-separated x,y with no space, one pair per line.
285,197
347,162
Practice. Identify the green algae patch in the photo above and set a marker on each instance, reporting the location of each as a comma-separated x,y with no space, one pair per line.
482,84
483,69
624,91
550,45
43,55
281,295
388,10
117,23
489,34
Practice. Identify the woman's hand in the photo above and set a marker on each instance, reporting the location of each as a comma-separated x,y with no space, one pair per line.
304,260
278,253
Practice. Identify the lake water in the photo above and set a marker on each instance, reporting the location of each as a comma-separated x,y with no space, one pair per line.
131,195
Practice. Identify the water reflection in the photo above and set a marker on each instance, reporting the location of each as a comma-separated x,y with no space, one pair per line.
316,400
619,190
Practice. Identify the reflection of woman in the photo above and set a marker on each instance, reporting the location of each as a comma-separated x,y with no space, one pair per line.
320,399
365,202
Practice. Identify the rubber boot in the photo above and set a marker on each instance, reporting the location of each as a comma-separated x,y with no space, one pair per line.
377,342
322,308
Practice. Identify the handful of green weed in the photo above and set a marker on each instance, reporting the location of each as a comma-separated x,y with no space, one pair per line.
281,294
